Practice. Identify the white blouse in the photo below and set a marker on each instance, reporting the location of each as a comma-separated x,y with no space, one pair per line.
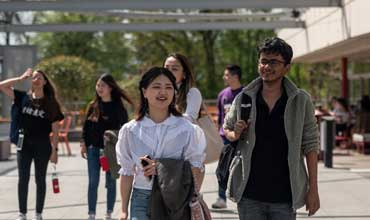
173,138
193,104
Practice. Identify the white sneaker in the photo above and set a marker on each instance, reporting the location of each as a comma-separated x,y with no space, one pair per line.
91,217
22,216
38,216
108,216
219,204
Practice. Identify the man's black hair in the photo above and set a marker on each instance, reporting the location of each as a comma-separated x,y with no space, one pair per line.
276,45
234,70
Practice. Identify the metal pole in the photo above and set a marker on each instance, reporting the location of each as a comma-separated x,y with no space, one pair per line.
327,132
345,93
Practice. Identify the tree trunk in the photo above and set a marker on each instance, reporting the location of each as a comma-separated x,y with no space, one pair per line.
209,38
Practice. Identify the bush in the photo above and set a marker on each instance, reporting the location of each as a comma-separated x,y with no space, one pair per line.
73,77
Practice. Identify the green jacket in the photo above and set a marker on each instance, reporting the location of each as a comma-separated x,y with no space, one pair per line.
302,133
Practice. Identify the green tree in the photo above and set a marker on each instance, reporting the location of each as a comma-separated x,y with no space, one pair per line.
131,86
318,79
70,74
109,50
209,39
208,51
240,47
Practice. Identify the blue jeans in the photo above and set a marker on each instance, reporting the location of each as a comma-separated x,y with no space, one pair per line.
139,204
254,210
222,193
93,165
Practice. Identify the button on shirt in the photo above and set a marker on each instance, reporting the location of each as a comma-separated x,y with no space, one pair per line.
174,138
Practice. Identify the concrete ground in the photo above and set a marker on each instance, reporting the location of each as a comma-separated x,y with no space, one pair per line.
344,190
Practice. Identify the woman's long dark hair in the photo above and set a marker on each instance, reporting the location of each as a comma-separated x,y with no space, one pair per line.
145,81
117,95
50,100
187,83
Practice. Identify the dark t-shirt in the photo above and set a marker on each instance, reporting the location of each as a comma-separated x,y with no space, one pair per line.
269,179
112,116
35,119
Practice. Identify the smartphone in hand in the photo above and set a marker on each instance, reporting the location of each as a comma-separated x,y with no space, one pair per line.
144,163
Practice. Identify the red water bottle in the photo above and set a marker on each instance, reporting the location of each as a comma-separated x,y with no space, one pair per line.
103,161
55,181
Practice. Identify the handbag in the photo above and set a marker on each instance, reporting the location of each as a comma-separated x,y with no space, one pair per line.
229,150
199,209
214,141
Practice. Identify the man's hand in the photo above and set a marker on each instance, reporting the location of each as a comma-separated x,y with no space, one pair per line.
239,128
312,202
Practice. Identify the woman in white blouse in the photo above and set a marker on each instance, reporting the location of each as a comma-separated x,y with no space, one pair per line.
160,132
189,98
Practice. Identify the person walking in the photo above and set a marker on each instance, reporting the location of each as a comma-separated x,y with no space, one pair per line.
105,112
39,114
270,181
189,99
232,76
158,131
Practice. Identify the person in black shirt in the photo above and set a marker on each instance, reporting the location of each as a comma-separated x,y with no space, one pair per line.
40,114
105,112
269,179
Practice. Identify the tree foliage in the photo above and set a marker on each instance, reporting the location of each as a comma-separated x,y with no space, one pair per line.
131,86
318,79
208,51
240,47
74,78
109,50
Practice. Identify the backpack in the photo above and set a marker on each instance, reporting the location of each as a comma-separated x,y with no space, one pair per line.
15,116
229,150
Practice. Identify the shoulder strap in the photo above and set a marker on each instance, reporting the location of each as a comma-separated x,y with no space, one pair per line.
203,110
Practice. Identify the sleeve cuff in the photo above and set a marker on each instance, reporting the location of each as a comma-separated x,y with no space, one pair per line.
311,148
126,171
197,165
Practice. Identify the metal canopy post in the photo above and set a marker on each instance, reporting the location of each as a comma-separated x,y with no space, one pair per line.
344,67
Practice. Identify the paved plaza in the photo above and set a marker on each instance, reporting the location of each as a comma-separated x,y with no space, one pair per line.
344,190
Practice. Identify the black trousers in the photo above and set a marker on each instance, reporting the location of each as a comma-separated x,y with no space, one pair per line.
40,155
